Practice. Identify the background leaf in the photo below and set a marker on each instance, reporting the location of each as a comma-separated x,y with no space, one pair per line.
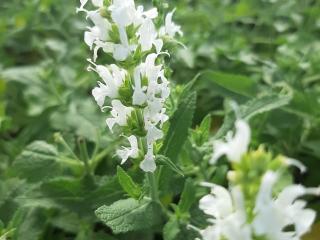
129,215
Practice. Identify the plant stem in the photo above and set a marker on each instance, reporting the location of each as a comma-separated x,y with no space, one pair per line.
84,155
153,187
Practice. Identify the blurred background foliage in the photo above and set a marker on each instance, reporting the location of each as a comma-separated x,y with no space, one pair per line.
245,50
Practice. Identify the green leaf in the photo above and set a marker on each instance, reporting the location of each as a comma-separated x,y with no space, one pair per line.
172,229
127,183
29,223
25,75
253,108
188,196
263,104
238,84
37,162
179,126
201,134
175,230
163,160
82,196
130,215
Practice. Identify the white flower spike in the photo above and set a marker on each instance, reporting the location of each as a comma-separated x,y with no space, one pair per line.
144,86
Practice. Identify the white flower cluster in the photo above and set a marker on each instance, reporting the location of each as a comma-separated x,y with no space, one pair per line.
275,217
129,35
272,215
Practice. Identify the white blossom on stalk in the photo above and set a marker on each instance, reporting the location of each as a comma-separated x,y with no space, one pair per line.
234,146
273,215
148,164
132,152
148,36
228,218
100,30
119,113
113,77
170,28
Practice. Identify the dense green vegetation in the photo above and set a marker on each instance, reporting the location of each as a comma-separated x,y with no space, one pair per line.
263,54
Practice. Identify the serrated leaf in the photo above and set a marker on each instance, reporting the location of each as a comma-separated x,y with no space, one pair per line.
163,160
263,104
253,108
233,83
82,196
171,229
127,183
179,126
188,196
130,215
29,224
37,162
174,230
201,134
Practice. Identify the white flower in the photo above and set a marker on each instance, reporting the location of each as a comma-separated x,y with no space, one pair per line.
123,12
148,36
139,96
119,114
121,51
132,152
100,30
228,215
295,163
170,28
153,133
112,81
235,146
155,112
152,73
273,215
96,3
148,164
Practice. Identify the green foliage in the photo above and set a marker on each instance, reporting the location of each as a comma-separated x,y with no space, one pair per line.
179,126
188,196
262,54
37,162
165,161
201,134
130,215
127,183
228,84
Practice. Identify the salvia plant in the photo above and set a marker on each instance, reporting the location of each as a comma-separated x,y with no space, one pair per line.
142,158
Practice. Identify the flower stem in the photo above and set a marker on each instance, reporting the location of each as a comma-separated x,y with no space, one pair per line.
84,155
153,187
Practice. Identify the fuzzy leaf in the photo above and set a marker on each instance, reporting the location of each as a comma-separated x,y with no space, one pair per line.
201,134
233,83
162,160
37,162
253,108
129,215
188,196
127,183
179,126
